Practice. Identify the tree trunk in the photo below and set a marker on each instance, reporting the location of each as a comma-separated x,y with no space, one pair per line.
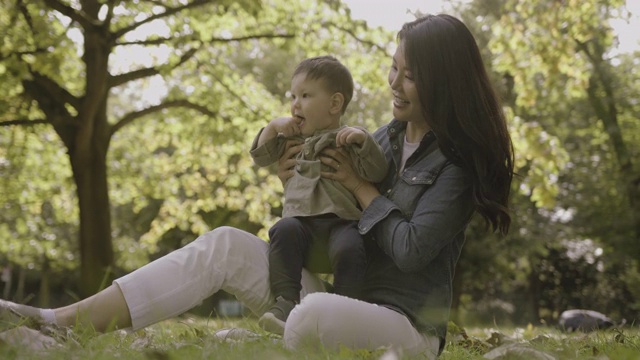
22,275
456,295
7,278
456,290
96,253
44,294
534,295
89,159
602,98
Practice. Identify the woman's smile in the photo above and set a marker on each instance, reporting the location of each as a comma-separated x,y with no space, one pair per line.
399,102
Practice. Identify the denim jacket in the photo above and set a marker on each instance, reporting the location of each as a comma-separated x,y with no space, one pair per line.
415,231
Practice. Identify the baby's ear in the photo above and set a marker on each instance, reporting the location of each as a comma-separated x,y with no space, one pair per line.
337,100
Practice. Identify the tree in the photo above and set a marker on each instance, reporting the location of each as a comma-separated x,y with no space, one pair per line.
493,270
557,53
537,53
58,70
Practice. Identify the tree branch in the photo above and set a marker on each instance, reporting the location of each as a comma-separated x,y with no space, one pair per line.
57,92
168,12
70,12
604,105
155,41
155,2
130,117
23,122
146,72
20,53
353,35
160,41
111,4
235,95
25,13
132,75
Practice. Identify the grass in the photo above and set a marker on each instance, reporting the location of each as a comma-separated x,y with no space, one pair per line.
194,338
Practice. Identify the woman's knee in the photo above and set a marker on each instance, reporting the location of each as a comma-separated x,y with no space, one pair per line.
226,240
348,255
303,325
314,305
223,232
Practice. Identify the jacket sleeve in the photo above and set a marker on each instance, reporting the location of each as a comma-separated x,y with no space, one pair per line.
442,212
369,160
267,153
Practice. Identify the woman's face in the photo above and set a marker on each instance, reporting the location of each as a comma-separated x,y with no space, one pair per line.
406,103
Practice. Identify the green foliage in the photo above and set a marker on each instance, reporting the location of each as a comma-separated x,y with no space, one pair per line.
536,42
200,164
28,165
175,171
539,159
570,188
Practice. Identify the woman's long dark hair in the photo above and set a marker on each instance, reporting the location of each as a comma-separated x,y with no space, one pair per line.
461,107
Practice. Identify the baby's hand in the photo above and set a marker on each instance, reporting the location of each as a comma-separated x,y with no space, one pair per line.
350,135
288,126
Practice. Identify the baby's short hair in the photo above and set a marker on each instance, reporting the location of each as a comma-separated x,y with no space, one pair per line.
336,77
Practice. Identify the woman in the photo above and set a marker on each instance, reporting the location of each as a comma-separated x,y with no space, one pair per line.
449,156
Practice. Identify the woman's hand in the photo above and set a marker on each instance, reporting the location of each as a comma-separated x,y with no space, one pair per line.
340,162
287,161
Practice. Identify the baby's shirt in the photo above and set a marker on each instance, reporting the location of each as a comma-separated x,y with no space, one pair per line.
309,194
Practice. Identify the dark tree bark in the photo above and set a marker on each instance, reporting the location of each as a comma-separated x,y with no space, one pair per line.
601,94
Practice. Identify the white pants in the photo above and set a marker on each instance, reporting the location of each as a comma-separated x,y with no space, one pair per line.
237,262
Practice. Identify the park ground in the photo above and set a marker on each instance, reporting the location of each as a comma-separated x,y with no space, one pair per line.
192,337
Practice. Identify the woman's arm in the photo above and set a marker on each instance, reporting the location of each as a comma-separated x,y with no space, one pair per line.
440,214
415,237
339,160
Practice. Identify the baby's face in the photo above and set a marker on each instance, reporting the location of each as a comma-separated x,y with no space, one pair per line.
311,103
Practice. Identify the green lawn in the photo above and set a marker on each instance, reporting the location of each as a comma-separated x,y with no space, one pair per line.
195,338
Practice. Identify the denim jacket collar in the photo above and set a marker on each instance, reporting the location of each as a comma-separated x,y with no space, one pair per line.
396,130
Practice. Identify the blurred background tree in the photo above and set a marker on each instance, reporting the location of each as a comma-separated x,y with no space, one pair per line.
577,246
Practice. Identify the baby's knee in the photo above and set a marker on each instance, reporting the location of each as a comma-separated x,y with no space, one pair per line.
286,229
287,224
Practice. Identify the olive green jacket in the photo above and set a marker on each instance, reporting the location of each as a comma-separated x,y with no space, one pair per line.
309,194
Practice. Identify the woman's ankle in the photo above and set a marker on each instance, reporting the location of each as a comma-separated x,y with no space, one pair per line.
41,316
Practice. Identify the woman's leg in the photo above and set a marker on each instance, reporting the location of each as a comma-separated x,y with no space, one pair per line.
223,259
106,310
333,321
226,259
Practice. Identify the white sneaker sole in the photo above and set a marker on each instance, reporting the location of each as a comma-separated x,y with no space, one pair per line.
272,324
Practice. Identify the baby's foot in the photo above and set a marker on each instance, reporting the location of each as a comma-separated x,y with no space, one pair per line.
275,318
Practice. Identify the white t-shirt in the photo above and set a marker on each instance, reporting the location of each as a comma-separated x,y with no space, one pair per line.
407,150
